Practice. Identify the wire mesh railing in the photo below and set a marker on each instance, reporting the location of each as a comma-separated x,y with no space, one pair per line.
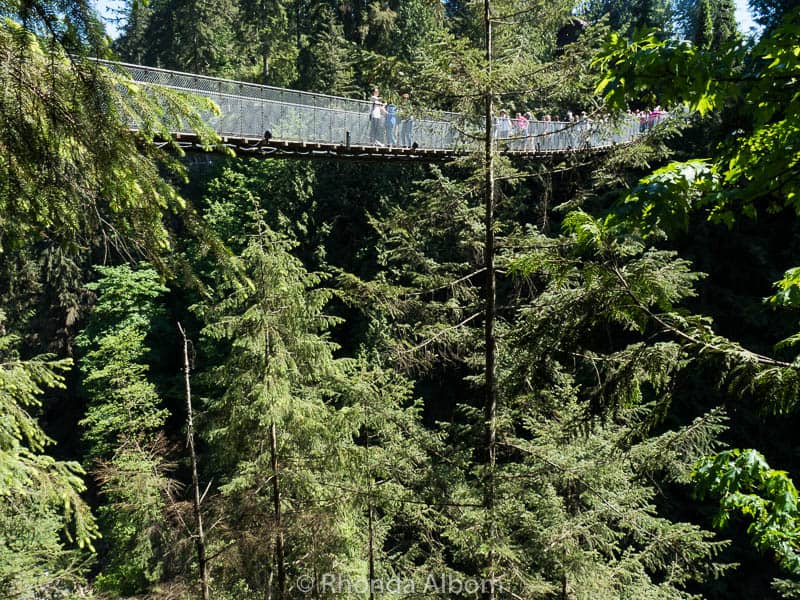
252,111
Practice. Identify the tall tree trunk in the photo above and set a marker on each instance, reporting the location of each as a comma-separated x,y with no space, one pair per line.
371,551
276,494
199,538
370,516
264,43
490,291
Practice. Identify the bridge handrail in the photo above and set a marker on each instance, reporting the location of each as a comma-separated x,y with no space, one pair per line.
363,106
284,103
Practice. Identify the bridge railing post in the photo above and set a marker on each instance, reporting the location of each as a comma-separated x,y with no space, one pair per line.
315,134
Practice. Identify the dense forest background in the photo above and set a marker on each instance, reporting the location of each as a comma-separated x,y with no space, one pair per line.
572,376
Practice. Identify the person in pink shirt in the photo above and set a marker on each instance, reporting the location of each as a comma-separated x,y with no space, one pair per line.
520,130
655,116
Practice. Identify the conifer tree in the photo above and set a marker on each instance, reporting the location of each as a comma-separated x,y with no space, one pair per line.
124,427
268,40
324,457
186,35
704,29
441,282
73,173
726,30
270,416
43,519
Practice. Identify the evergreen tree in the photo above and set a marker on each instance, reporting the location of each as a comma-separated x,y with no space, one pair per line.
124,426
710,24
626,17
325,62
446,256
268,41
185,35
135,18
704,29
726,30
324,457
72,172
42,513
279,437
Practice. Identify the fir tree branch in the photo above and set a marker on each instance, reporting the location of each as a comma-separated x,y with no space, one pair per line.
692,339
433,338
446,285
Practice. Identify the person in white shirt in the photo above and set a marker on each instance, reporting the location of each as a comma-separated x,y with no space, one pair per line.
377,118
503,130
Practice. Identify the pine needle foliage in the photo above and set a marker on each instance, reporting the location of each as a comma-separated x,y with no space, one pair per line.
41,506
585,381
349,456
71,169
278,371
123,427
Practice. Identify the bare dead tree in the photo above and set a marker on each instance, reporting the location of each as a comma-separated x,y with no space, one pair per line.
199,535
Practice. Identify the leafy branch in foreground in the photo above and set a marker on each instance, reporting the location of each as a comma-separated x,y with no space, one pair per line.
71,169
35,489
746,485
756,161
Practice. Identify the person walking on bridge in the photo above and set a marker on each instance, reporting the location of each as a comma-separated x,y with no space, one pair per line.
502,126
407,122
520,131
391,123
377,113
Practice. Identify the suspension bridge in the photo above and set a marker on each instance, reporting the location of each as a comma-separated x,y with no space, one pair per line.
265,120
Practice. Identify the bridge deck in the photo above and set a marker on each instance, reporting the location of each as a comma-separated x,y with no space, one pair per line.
268,120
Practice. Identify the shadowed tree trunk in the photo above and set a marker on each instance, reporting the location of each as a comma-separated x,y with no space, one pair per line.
199,536
490,401
276,494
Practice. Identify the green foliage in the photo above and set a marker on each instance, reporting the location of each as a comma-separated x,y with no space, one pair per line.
709,24
770,13
726,29
664,201
123,426
34,560
277,372
759,161
267,38
187,35
628,17
788,293
745,484
41,497
326,61
632,69
70,169
126,298
599,335
704,30
341,426
582,387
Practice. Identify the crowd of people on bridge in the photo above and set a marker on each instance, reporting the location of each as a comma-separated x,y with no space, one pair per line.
392,125
526,132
